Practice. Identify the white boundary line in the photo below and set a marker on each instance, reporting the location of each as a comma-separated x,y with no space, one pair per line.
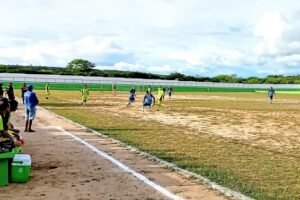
210,184
121,165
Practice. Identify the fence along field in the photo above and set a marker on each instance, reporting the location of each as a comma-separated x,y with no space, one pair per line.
235,139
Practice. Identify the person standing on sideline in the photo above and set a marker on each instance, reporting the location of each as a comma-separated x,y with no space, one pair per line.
47,91
31,101
84,94
148,100
1,90
271,93
10,92
132,96
23,90
160,96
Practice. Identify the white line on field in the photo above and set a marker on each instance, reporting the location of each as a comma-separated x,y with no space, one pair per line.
121,165
219,188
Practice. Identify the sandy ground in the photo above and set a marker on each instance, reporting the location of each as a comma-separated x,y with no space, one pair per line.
277,131
65,169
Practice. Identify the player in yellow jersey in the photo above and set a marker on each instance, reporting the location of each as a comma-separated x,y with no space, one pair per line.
160,96
84,94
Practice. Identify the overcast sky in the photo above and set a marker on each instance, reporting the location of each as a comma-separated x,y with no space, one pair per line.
194,37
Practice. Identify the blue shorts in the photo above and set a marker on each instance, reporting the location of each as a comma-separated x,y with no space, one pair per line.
30,113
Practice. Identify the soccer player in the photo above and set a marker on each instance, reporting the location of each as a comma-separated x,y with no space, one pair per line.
148,99
132,96
149,89
47,91
160,96
4,124
271,93
170,90
114,90
84,94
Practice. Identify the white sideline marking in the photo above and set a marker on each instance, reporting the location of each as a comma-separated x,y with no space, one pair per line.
122,166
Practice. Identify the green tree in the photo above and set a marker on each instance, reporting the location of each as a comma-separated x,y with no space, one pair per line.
80,65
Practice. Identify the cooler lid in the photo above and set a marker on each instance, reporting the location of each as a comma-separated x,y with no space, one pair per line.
22,160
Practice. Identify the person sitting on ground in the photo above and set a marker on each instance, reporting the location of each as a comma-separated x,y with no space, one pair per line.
31,101
148,100
132,96
84,94
4,122
13,106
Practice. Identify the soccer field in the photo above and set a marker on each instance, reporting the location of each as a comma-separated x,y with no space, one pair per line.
238,140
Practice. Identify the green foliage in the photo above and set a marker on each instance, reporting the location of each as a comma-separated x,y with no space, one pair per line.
80,65
85,68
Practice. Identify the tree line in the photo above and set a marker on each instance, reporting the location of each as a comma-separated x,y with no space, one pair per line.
85,68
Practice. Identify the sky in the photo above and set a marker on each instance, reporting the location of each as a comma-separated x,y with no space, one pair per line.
193,37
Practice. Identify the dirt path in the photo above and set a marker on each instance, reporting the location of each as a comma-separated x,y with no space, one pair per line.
64,169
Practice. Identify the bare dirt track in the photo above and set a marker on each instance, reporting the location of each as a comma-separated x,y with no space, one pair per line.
65,169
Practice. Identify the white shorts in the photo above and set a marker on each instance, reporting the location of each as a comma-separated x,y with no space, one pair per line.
30,113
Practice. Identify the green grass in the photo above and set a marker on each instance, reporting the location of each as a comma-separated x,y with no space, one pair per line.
256,171
281,91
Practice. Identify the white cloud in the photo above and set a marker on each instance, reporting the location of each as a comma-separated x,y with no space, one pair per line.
270,27
194,36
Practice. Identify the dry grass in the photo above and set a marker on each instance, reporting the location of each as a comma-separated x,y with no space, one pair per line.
235,139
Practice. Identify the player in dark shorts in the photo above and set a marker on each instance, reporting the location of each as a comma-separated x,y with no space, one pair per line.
271,93
148,99
170,91
132,96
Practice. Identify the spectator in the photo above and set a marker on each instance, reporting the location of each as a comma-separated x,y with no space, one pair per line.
10,92
1,90
31,102
23,90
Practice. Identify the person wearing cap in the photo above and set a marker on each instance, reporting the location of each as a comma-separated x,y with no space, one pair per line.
31,102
